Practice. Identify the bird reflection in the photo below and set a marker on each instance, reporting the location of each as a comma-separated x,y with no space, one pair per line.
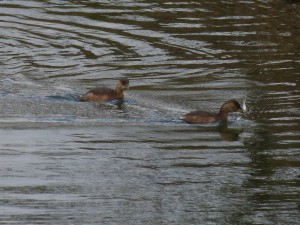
228,134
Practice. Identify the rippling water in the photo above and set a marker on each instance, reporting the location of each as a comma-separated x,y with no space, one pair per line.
134,162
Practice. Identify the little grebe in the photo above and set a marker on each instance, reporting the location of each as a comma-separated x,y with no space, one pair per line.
207,117
103,93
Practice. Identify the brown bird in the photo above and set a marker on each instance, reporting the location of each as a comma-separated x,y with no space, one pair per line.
208,117
103,93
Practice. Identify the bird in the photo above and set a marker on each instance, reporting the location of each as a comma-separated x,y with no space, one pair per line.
202,117
104,93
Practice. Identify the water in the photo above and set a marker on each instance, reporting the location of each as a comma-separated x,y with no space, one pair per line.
134,162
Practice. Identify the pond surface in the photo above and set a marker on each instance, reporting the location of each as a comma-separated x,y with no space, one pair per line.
63,161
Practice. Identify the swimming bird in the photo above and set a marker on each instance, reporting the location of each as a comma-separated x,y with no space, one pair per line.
104,93
208,117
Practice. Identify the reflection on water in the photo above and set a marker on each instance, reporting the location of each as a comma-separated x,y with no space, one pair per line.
228,134
134,161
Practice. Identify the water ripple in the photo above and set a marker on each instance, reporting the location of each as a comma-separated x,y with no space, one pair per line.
140,161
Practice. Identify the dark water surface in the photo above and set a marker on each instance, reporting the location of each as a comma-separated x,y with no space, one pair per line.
134,162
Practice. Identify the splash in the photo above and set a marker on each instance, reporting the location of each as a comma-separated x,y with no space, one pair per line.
244,107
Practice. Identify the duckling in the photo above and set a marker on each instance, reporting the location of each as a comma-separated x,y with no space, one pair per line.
104,94
208,117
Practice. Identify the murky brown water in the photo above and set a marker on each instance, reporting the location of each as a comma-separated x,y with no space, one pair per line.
68,162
